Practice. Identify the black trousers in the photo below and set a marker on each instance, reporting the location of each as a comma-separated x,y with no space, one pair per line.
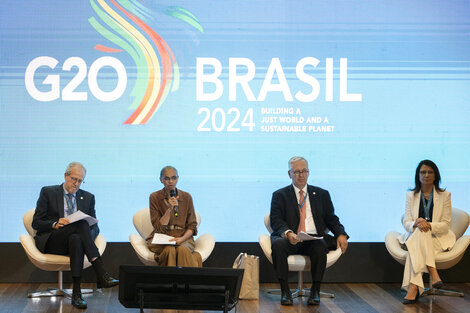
315,249
75,240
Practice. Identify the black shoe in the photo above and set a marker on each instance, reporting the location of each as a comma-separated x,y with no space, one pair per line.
286,298
106,281
78,302
411,301
437,285
103,279
314,298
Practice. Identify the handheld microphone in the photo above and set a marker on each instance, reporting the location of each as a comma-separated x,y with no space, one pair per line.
173,195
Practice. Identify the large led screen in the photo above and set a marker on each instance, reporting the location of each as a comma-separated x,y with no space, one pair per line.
227,91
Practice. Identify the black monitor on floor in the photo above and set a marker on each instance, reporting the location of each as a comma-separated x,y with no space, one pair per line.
185,288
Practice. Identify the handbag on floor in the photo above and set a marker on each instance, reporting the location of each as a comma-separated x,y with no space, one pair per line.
250,282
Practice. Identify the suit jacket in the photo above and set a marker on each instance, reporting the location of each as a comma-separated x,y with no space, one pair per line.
441,215
50,207
285,213
158,205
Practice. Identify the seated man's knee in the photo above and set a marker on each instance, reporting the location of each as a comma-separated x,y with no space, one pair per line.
279,245
75,240
320,247
82,225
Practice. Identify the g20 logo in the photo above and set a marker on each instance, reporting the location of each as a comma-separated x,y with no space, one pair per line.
68,92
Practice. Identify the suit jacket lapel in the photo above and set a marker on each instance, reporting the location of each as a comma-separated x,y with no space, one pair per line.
293,199
417,199
78,199
314,205
436,205
60,200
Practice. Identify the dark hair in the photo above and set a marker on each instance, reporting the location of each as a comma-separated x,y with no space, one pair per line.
437,176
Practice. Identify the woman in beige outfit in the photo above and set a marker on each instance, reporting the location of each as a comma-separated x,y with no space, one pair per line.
172,213
427,222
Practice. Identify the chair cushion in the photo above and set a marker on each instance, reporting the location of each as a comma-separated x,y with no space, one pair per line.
204,244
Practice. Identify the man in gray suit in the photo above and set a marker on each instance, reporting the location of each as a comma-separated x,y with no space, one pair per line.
56,235
301,207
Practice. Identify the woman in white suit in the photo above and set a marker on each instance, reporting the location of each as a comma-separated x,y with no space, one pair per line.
427,222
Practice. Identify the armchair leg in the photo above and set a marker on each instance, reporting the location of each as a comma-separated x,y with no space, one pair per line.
300,291
50,292
441,292
57,292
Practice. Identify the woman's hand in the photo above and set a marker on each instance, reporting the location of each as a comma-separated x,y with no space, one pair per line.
178,240
187,234
422,224
173,201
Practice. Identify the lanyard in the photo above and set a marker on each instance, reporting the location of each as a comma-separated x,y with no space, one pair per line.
303,201
426,205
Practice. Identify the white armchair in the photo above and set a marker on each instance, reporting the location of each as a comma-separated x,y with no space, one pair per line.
204,244
297,263
444,260
51,262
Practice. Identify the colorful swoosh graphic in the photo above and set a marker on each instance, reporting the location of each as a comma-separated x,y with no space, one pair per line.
157,69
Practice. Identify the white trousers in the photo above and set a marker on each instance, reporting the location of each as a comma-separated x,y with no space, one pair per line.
422,248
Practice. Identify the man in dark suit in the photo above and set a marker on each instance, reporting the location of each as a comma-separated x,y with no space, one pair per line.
301,207
56,235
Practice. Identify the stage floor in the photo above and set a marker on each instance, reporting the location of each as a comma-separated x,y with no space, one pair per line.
348,298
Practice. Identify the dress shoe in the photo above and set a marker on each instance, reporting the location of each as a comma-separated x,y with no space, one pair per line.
106,281
78,302
437,285
314,298
411,301
103,279
286,298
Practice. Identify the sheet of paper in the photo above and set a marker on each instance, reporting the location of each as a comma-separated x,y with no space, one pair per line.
79,215
162,239
304,236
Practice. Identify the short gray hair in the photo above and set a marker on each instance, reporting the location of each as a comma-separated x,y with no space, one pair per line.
295,159
168,167
73,165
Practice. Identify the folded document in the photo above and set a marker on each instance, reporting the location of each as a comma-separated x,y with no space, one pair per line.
79,215
162,239
304,236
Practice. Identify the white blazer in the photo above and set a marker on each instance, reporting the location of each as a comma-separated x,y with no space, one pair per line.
441,215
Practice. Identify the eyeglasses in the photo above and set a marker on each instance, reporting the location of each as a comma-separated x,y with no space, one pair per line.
166,178
426,172
76,180
303,172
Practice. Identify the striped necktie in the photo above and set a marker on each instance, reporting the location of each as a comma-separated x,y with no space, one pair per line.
70,204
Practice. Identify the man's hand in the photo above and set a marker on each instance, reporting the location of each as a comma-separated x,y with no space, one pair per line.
342,242
61,223
292,238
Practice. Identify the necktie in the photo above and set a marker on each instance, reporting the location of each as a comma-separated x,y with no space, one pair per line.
303,213
70,204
